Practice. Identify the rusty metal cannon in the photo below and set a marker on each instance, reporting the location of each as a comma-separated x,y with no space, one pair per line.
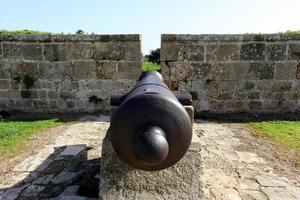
150,129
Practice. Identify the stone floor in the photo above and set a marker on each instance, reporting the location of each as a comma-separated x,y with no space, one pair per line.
236,166
61,168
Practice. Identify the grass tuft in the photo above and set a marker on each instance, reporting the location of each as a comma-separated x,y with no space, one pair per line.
15,133
286,133
150,66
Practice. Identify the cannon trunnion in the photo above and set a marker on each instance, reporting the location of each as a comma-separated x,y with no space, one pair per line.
151,129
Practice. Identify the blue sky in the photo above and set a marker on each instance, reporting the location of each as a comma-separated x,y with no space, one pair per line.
151,18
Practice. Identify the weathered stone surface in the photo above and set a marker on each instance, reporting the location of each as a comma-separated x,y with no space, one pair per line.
285,71
229,71
120,181
79,50
84,69
55,52
129,70
276,52
200,71
260,71
223,52
32,52
109,51
294,51
12,50
106,70
182,52
253,51
56,71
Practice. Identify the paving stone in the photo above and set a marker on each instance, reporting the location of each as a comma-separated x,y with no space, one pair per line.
66,177
269,180
252,195
72,150
279,193
32,191
44,180
249,157
226,194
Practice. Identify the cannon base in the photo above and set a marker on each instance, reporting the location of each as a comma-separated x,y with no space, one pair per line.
181,181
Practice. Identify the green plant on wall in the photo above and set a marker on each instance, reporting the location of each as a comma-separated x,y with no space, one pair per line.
149,66
27,80
94,99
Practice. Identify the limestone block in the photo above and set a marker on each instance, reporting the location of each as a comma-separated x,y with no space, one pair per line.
24,68
4,70
55,52
32,52
229,71
179,70
56,70
181,181
84,69
129,70
200,71
79,50
253,51
12,50
4,94
281,86
285,71
182,52
4,84
294,51
133,52
109,51
276,52
260,71
106,70
223,52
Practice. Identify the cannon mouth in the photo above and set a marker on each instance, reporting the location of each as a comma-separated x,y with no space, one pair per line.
150,132
151,146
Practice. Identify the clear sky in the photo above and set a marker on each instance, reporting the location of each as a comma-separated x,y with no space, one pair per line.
151,17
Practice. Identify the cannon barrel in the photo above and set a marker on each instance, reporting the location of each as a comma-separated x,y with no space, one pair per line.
151,129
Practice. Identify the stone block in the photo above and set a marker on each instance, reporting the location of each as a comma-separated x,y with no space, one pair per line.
129,70
223,52
56,70
120,181
285,71
84,69
282,86
13,93
106,70
133,51
32,52
55,52
182,52
253,51
229,71
79,50
4,70
4,94
294,51
179,71
198,85
276,52
201,71
109,51
253,95
259,71
255,105
4,84
12,50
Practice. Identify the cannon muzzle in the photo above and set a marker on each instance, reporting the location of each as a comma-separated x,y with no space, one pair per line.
151,129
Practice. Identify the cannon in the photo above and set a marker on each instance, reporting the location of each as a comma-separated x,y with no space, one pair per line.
150,129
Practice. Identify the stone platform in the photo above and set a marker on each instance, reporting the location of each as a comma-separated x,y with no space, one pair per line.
181,181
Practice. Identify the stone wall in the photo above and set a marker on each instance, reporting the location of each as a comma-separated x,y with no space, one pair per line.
66,70
235,73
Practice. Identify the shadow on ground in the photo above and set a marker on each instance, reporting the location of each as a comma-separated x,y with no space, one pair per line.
65,174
